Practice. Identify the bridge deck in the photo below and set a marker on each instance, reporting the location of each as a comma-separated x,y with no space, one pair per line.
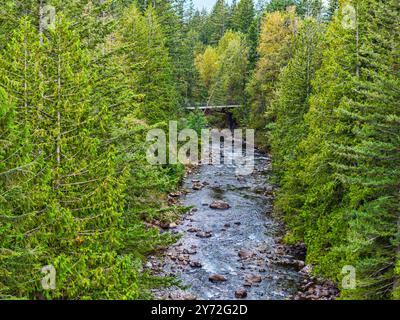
213,107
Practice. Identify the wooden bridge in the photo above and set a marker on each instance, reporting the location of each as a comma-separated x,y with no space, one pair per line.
213,107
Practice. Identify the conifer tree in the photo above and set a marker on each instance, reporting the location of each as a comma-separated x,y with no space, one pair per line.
218,21
291,104
242,16
148,53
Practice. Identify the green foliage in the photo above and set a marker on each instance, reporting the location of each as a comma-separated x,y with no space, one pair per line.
144,41
223,69
197,121
242,16
74,182
278,30
335,144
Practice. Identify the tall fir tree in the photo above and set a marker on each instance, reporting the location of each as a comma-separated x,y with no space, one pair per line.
149,54
289,129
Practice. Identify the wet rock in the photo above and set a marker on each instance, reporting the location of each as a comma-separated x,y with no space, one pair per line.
175,194
195,264
269,192
306,270
292,262
220,205
189,251
193,230
299,264
238,223
252,279
217,278
181,295
197,186
316,289
245,254
227,225
204,234
164,225
172,225
241,293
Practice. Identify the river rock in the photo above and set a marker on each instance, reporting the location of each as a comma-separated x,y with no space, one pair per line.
197,186
181,295
220,205
189,251
217,278
204,234
172,225
241,293
252,279
306,270
245,254
195,264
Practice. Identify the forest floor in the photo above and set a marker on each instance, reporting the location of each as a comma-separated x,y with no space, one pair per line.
230,245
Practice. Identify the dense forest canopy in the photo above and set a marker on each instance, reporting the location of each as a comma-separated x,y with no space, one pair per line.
318,80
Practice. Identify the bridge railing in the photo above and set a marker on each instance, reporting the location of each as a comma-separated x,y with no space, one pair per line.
233,106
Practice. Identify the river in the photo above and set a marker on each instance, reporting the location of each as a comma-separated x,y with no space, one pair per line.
239,246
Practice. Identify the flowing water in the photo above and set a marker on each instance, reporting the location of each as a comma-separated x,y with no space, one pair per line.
212,239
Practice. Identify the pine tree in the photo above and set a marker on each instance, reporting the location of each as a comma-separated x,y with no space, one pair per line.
291,104
242,16
345,205
149,55
279,5
369,163
332,8
71,215
310,8
218,21
18,204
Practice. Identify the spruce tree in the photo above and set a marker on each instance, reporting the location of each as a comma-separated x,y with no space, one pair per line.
289,129
150,56
242,16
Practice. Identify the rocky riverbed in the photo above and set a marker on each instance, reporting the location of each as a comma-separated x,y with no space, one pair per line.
231,244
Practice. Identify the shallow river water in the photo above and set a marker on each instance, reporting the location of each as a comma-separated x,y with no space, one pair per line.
239,244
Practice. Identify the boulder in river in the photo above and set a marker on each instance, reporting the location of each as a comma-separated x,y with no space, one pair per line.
245,254
252,279
195,264
204,234
197,186
220,205
217,278
241,293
